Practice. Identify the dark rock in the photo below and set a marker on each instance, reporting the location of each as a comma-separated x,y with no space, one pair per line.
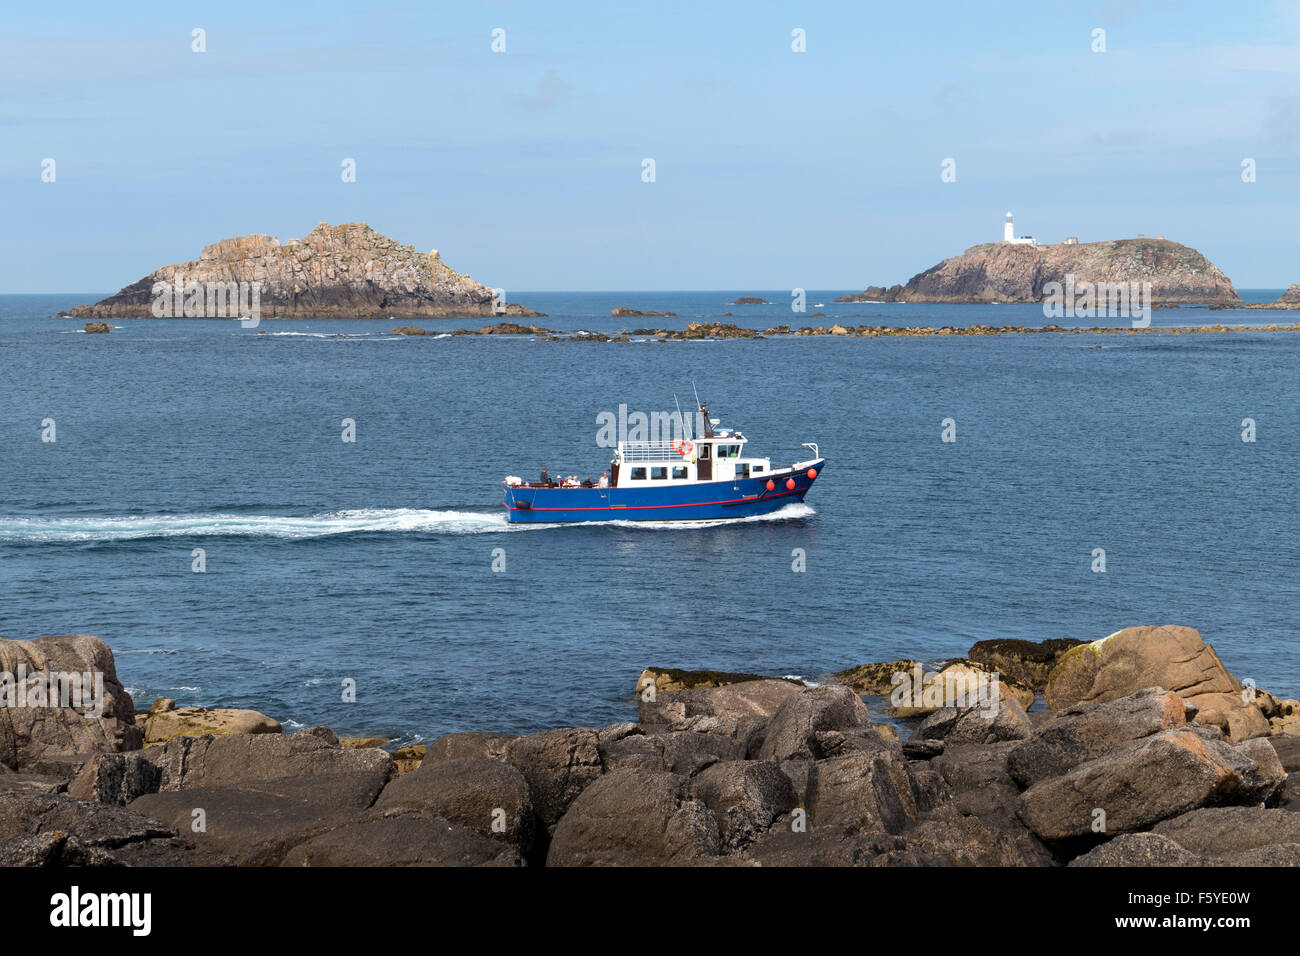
635,818
241,759
1022,662
93,824
461,746
402,839
745,796
116,778
54,848
1088,731
1137,849
792,731
922,749
982,723
482,794
752,700
687,752
29,734
1217,830
835,846
257,824
1159,777
947,838
864,792
638,750
558,765
619,731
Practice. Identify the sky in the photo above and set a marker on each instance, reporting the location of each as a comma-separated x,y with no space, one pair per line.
773,169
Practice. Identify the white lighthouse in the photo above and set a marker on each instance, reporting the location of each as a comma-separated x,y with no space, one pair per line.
1009,234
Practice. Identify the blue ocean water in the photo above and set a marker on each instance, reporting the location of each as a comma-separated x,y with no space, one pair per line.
372,561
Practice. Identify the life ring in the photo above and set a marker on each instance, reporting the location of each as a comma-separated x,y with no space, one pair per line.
683,448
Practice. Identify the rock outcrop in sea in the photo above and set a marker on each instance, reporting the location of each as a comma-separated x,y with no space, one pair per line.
1009,272
345,272
1150,753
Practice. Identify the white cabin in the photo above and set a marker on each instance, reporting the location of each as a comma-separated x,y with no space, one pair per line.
718,457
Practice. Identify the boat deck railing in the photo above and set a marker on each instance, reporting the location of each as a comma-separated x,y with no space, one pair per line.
651,451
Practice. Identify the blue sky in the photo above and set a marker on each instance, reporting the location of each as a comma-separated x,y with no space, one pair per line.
774,169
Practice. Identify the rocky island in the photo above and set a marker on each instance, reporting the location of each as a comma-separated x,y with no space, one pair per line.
1018,272
343,272
1138,749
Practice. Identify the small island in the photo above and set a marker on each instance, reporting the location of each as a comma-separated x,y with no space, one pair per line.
751,300
1018,268
334,272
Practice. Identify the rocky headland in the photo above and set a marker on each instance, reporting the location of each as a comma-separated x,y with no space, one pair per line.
1006,272
1137,749
346,272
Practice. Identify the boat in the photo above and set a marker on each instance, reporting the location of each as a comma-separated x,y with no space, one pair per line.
705,478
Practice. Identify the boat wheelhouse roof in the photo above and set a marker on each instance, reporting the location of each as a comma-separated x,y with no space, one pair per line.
671,451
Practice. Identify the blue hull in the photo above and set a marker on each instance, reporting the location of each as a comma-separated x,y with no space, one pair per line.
705,501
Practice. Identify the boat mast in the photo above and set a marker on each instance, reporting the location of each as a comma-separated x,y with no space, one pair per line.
704,410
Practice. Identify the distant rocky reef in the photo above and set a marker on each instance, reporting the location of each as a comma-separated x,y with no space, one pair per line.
343,272
1011,272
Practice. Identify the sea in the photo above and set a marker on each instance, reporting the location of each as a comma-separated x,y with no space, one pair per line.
201,511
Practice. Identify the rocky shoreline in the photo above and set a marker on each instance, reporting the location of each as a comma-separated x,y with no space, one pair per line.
727,330
1146,751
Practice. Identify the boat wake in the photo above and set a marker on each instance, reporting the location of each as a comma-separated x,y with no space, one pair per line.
43,530
791,511
143,527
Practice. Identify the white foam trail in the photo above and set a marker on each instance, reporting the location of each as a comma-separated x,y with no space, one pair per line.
376,520
796,509
137,527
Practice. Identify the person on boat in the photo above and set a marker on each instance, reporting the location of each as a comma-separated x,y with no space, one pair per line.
604,479
546,478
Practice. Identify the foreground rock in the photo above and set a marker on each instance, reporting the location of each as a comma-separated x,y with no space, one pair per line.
758,772
76,669
1168,656
347,271
635,818
1162,776
489,796
1088,731
166,720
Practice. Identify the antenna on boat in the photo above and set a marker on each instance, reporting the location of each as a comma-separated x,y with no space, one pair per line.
685,425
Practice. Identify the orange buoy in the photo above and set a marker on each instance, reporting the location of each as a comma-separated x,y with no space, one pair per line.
771,485
789,483
812,472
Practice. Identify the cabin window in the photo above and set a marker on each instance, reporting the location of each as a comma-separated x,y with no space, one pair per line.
728,451
758,468
704,452
679,472
638,474
659,474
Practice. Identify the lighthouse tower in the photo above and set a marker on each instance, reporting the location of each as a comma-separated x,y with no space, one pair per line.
1008,230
